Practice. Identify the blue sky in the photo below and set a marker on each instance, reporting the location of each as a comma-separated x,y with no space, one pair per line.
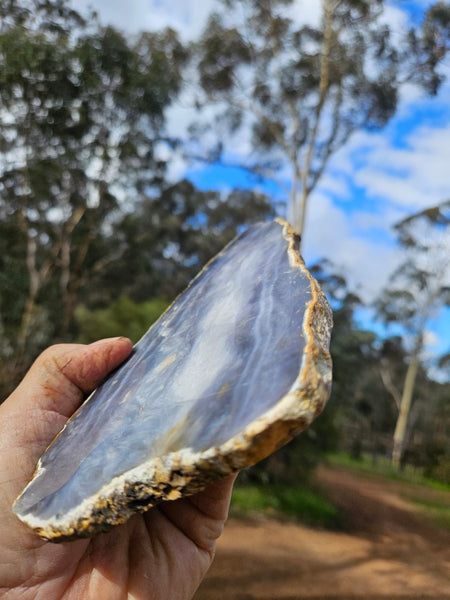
377,178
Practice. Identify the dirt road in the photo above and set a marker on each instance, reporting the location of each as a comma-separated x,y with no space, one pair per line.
389,550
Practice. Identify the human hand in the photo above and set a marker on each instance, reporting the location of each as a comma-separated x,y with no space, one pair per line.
161,554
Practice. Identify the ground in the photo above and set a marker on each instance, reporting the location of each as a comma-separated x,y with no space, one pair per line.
389,549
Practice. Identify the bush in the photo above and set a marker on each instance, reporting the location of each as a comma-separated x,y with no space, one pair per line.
305,506
122,317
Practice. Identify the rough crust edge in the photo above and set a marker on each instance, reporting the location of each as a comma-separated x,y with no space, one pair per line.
171,477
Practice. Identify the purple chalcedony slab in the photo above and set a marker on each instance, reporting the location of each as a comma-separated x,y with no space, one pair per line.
236,366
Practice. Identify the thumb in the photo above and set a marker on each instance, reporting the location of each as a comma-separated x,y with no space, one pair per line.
48,395
63,374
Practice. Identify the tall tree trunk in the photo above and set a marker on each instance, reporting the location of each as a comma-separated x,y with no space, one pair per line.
405,406
34,286
295,205
328,37
69,280
302,217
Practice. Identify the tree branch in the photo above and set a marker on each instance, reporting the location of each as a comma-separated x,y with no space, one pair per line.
299,212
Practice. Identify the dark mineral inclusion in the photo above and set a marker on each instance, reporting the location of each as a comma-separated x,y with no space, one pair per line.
236,366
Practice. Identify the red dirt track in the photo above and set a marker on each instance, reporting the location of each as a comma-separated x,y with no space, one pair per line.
389,550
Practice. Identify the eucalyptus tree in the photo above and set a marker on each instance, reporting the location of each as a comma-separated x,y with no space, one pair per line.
299,91
417,291
82,108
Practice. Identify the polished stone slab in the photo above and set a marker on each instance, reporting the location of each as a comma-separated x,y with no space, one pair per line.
237,365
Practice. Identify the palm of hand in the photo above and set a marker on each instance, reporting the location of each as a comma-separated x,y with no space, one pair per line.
161,554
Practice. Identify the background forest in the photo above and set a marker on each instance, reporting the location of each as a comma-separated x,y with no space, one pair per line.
99,231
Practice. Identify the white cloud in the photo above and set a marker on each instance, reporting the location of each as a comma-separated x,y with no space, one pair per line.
395,182
413,177
332,233
336,184
396,19
307,11
188,17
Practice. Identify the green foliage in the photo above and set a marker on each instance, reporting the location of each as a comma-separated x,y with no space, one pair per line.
415,293
121,318
84,209
232,49
281,501
437,511
369,371
431,45
441,470
428,448
81,110
361,405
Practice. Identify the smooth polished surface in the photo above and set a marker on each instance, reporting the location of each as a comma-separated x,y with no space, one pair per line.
224,354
